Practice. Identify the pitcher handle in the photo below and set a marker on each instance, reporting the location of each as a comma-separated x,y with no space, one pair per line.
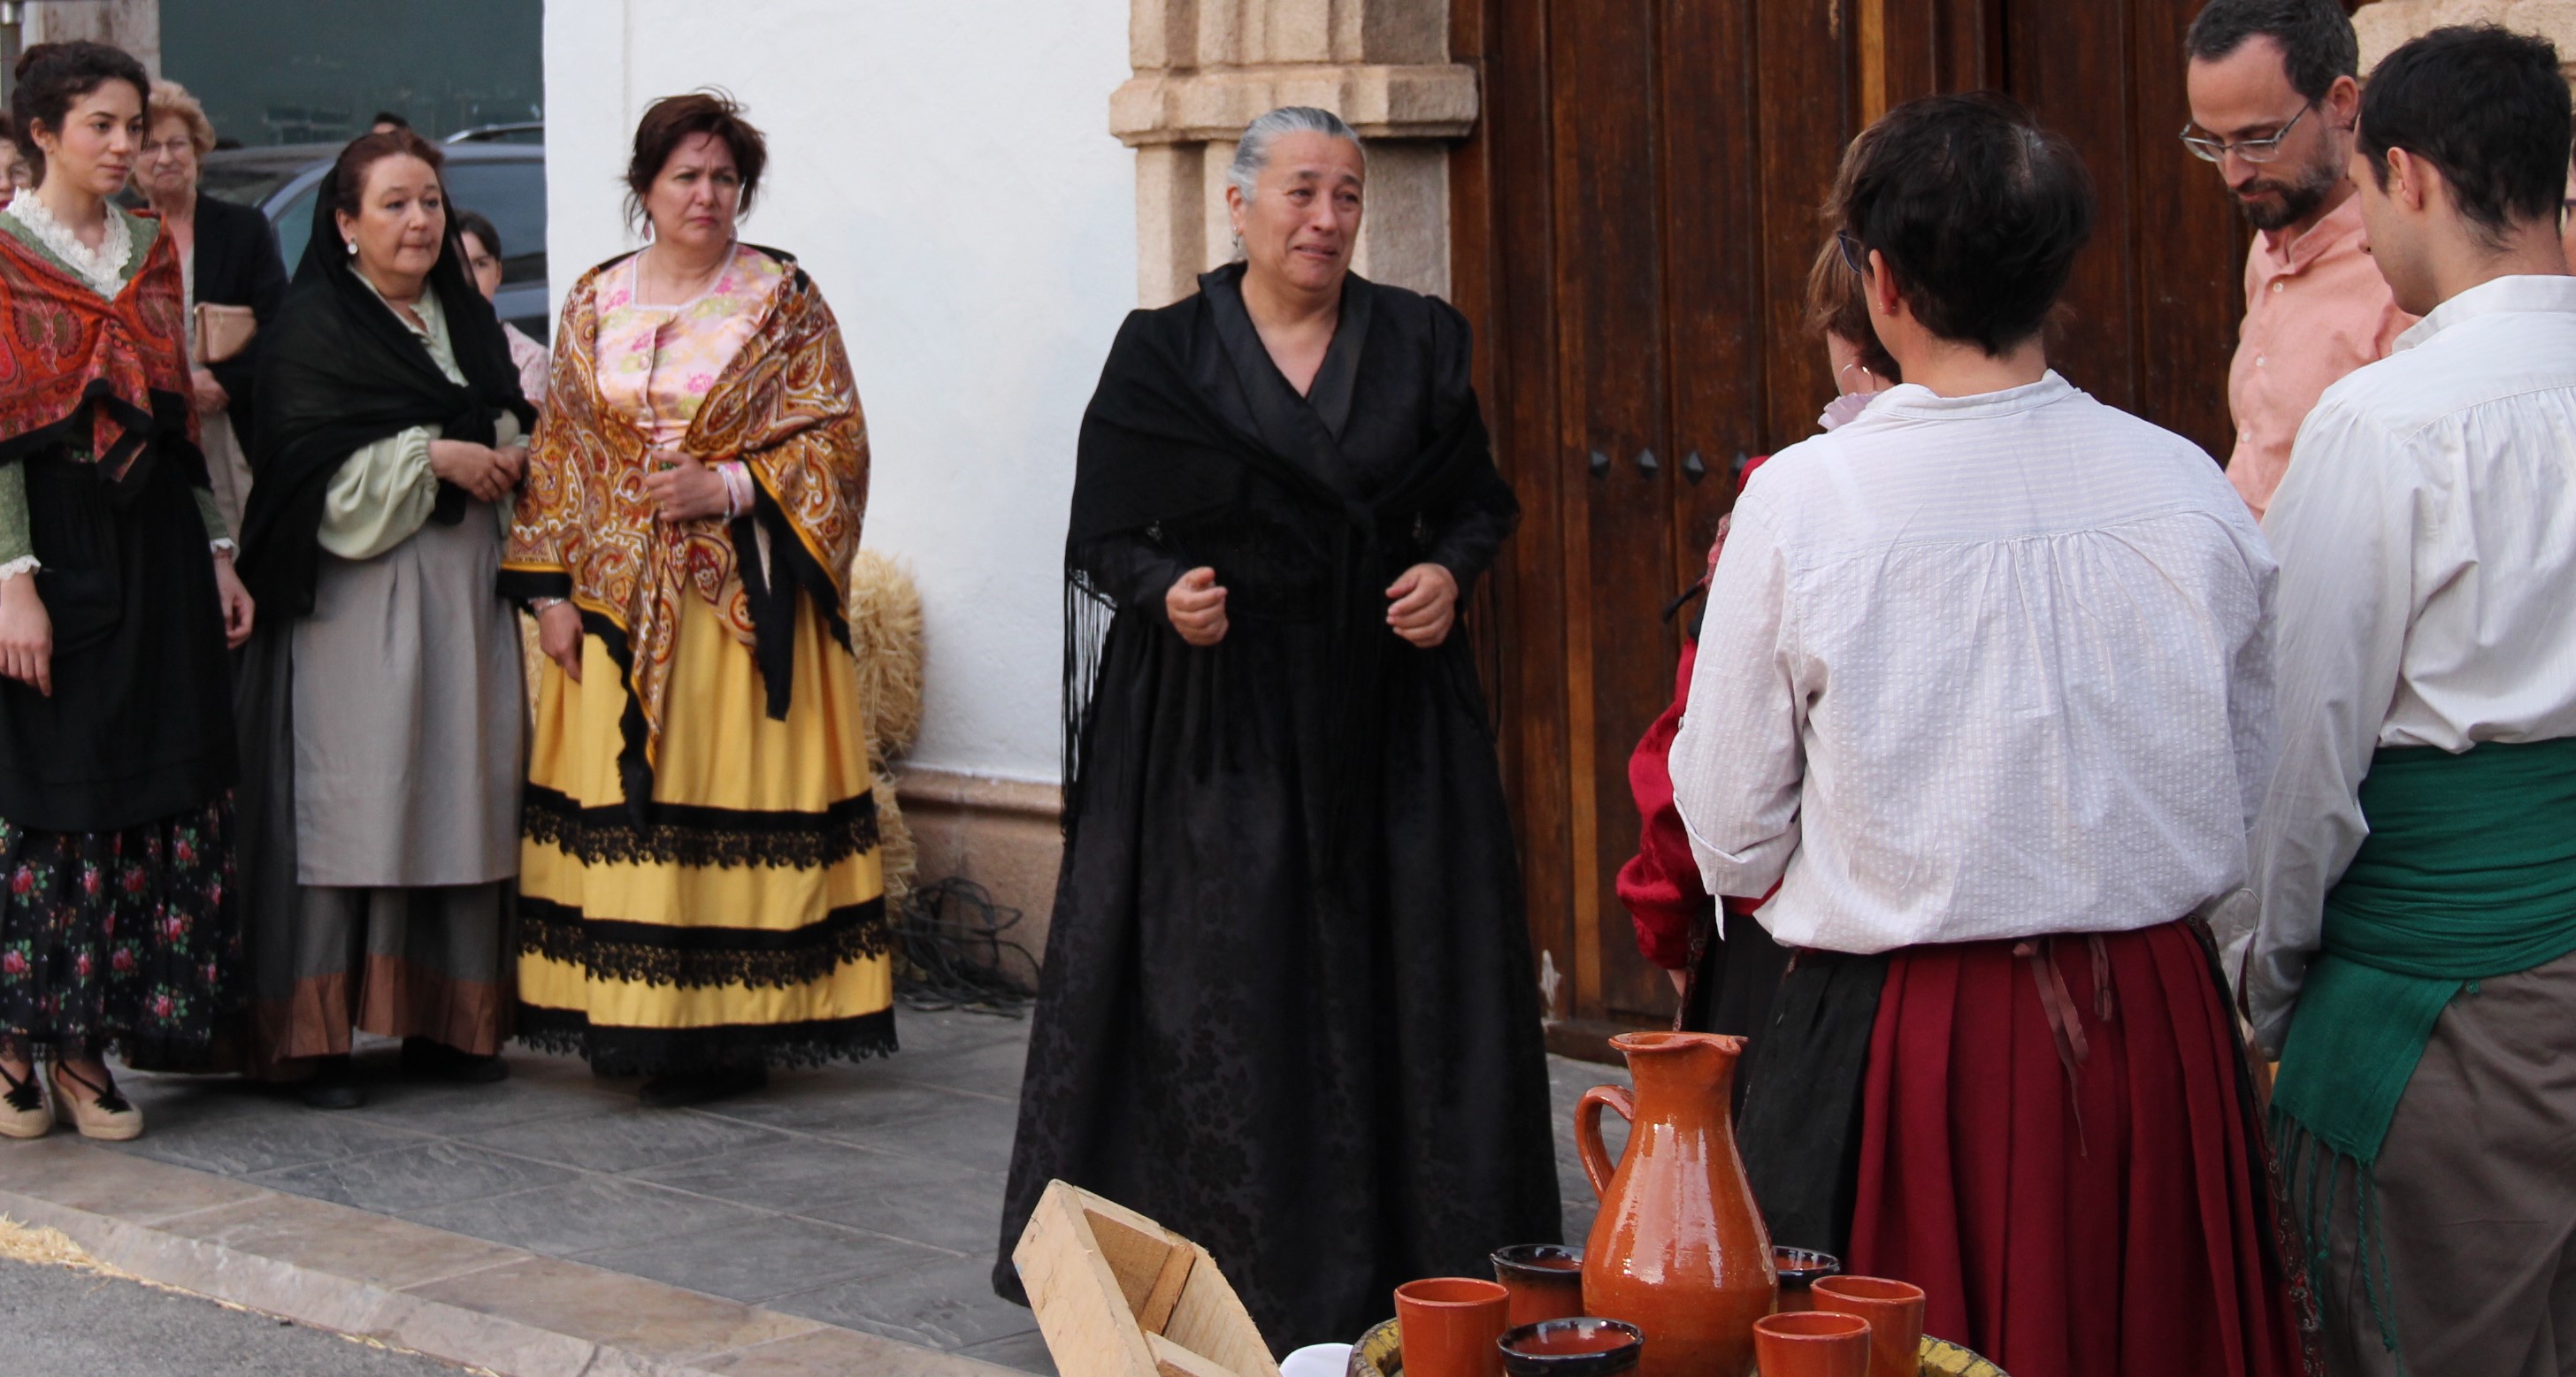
1597,1165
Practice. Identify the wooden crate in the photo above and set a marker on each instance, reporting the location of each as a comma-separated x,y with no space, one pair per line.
1118,1295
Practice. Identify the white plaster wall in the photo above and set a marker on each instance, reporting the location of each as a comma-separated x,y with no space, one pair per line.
943,170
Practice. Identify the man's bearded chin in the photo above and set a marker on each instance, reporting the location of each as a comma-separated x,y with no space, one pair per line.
2297,200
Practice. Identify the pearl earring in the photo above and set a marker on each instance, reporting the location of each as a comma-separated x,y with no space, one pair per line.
351,247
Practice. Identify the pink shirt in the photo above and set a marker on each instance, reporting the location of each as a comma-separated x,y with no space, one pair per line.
2311,316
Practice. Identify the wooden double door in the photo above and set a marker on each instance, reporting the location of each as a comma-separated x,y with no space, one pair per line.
1633,223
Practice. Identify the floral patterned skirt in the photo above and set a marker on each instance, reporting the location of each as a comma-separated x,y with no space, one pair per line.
122,941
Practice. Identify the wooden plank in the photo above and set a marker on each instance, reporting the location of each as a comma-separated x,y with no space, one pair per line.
1100,1276
1209,1320
1172,1360
1154,1315
1511,253
1081,1305
1137,1251
1613,426
1802,84
2070,64
2190,245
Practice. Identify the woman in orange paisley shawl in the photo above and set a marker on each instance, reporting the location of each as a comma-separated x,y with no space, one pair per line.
700,895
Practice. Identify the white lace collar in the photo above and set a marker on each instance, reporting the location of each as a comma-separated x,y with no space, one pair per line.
103,269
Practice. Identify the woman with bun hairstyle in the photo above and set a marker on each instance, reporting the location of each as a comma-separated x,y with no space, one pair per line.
117,605
384,706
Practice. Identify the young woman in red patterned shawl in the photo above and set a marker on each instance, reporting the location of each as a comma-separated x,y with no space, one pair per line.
699,892
117,601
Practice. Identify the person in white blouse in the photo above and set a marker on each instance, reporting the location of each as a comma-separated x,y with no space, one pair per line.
2415,962
1986,687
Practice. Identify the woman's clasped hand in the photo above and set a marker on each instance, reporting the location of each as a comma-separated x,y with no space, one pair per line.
1422,606
485,472
683,489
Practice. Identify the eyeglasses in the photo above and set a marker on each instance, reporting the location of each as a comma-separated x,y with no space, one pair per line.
1855,254
2255,151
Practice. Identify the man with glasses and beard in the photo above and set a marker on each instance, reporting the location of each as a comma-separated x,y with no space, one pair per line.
2273,99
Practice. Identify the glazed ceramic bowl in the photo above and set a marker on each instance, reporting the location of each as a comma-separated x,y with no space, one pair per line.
1578,1347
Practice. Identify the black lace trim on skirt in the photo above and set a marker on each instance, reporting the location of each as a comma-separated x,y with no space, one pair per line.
685,834
695,957
614,1051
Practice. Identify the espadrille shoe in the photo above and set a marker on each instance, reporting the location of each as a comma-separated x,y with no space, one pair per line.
97,1111
23,1110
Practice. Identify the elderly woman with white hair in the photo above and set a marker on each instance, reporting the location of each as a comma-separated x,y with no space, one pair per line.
1288,1007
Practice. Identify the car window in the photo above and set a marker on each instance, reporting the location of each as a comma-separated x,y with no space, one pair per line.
513,196
244,183
295,226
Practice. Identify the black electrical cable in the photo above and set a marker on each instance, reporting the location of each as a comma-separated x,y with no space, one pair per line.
950,943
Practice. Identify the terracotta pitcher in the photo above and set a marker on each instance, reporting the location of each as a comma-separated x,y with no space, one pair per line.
1678,1248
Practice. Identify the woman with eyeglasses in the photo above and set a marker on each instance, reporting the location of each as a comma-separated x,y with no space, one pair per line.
228,257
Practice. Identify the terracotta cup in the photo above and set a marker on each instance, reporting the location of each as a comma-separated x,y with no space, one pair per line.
1545,1279
1894,1310
1812,1344
1577,1347
1449,1326
1799,1269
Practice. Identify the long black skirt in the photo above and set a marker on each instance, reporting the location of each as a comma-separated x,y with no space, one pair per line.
1323,1062
117,928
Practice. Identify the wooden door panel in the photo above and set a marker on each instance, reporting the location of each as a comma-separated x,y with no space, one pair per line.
1611,423
1713,271
1804,74
2189,244
1503,277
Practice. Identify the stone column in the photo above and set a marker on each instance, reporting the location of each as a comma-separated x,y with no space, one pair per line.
1205,68
134,25
2384,24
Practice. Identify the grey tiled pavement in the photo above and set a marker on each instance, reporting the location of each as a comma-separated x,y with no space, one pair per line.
867,1196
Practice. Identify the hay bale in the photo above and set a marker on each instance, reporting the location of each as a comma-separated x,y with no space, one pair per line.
885,637
897,852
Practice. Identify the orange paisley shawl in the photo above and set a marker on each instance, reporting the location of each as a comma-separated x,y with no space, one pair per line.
786,406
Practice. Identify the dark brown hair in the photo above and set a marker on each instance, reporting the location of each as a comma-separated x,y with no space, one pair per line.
50,76
1838,306
347,189
1978,210
670,121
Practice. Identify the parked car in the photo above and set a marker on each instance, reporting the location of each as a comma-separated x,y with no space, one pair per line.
488,170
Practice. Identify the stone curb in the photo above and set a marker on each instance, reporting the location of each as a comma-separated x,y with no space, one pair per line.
454,1298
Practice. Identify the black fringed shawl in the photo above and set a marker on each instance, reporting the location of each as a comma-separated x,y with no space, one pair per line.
338,372
1157,452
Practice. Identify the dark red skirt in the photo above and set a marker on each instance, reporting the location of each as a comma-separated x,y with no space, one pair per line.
2114,1220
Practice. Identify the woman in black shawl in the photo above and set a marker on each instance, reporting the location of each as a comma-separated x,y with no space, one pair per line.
1288,1009
383,710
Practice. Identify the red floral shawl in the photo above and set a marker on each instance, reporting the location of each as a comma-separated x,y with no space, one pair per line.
67,356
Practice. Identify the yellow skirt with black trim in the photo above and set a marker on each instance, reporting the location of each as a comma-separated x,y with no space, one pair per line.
739,919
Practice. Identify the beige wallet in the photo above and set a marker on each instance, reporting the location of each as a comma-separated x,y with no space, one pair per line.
222,331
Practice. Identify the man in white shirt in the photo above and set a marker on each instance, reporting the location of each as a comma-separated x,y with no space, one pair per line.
1985,686
2416,860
